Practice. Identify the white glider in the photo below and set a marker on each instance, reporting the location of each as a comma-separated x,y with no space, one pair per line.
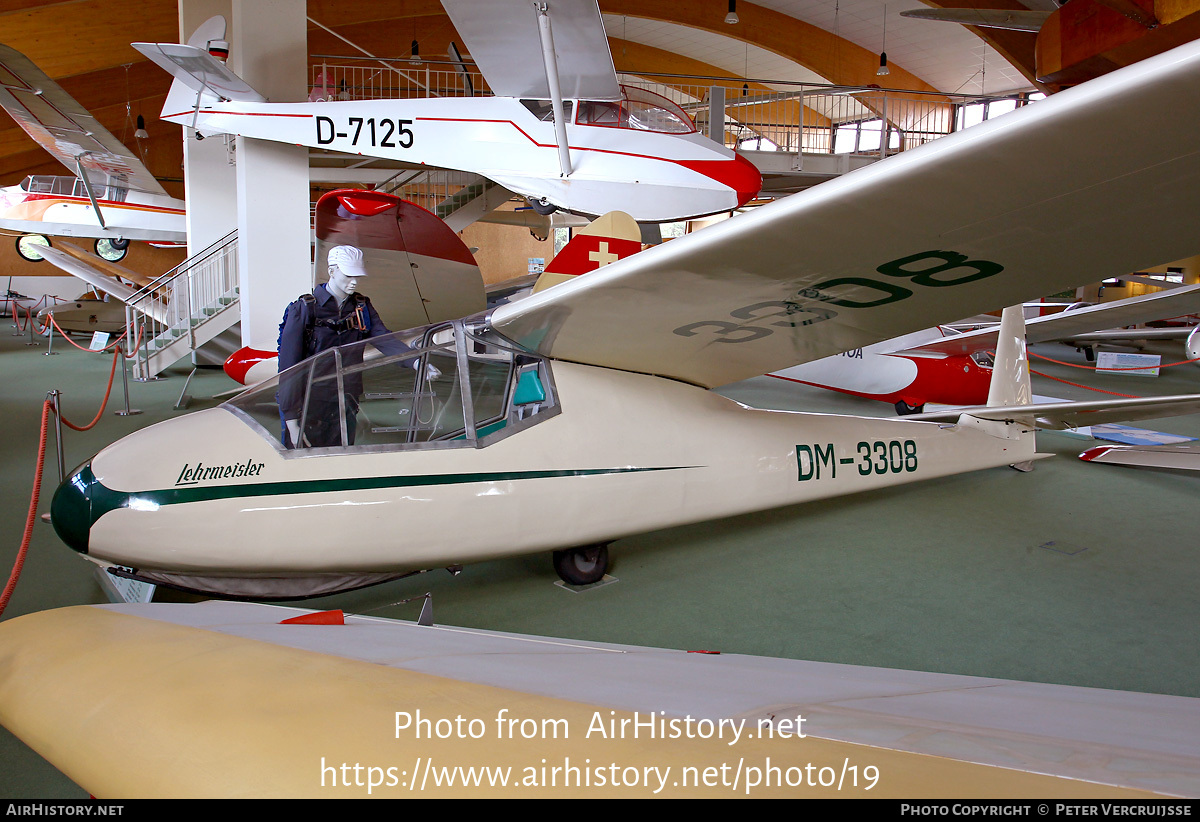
560,131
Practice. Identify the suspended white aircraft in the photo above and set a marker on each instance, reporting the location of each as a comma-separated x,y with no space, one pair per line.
580,414
112,197
560,131
942,366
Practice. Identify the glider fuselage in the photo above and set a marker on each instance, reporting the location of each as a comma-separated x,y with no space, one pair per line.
604,454
654,175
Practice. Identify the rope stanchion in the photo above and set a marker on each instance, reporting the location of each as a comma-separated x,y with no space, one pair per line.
107,391
32,518
113,345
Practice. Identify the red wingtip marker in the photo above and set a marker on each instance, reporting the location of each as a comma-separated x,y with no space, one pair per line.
317,618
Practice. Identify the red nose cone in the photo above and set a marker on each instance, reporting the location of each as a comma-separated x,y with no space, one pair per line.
747,181
739,174
243,360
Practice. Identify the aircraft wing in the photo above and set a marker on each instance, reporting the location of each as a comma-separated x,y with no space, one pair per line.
502,37
1061,192
1083,324
77,264
1177,332
236,699
65,129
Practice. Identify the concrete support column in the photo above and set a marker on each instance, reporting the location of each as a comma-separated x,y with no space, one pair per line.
269,49
208,170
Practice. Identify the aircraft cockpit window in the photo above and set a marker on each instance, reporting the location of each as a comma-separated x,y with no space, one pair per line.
544,109
638,109
446,387
984,359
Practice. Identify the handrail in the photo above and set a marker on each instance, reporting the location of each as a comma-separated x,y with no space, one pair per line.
201,286
194,260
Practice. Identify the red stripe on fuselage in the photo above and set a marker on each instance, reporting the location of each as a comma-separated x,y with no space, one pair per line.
732,173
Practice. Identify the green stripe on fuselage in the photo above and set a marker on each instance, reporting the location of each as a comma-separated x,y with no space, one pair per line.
105,499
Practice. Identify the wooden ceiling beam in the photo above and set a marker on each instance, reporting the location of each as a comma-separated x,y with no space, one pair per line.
836,59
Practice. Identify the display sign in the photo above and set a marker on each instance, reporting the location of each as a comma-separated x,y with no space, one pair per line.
1138,365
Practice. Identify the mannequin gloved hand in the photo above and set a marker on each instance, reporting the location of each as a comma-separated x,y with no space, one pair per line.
432,372
293,427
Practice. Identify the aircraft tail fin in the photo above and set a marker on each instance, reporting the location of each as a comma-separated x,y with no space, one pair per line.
1010,399
1010,375
607,239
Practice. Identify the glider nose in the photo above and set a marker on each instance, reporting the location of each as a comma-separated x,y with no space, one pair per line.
745,179
71,508
738,173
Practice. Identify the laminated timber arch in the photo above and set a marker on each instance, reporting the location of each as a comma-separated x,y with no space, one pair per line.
836,59
636,58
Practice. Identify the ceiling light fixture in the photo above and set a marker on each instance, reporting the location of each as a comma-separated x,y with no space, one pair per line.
883,69
732,17
141,133
416,53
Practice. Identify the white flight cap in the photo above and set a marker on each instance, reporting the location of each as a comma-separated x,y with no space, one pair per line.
348,259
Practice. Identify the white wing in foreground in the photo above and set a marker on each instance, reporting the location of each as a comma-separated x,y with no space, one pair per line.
1005,211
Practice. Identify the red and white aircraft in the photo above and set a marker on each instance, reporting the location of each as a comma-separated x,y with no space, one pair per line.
422,272
941,366
560,131
113,197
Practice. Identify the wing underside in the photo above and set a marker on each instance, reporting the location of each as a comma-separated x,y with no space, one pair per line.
502,38
65,129
1059,193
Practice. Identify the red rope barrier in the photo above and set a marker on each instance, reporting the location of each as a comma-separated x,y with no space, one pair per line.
107,391
113,345
1088,387
1094,367
32,518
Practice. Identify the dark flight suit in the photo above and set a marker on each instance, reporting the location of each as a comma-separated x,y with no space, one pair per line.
332,325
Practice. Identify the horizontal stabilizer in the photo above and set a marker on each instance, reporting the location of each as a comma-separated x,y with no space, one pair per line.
1174,457
199,71
1063,415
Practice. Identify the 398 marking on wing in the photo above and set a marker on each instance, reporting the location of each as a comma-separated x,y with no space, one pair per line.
811,304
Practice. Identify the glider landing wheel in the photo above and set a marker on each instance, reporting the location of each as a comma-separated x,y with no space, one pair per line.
543,206
904,409
582,566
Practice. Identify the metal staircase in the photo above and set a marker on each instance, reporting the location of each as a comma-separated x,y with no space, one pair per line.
196,302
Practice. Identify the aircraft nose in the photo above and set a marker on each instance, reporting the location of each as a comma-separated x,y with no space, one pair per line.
746,181
71,508
739,174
